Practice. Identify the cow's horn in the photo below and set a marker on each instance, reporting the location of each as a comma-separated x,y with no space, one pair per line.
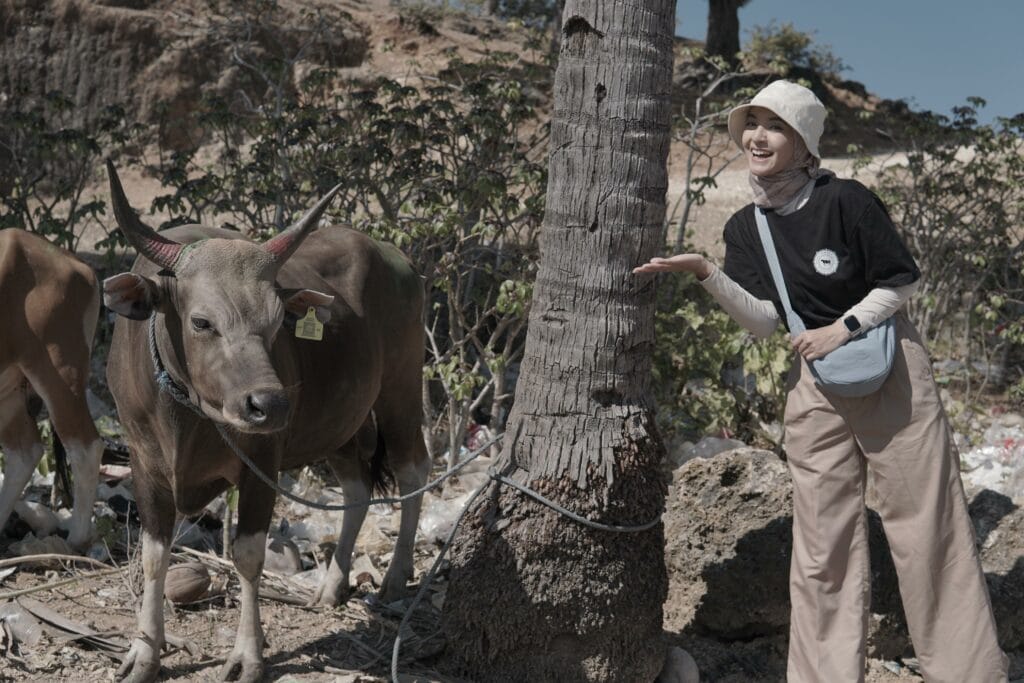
147,241
284,245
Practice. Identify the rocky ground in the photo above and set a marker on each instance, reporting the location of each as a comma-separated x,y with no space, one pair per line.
71,621
727,531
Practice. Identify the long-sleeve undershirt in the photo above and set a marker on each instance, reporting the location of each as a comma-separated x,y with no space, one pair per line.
760,317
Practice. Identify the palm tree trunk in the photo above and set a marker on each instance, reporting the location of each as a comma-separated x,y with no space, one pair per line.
723,38
535,596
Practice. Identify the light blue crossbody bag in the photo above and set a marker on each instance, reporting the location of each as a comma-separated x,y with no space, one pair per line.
858,367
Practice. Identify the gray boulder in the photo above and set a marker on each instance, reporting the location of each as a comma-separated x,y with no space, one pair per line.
728,541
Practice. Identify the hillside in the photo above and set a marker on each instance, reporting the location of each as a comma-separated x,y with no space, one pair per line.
158,59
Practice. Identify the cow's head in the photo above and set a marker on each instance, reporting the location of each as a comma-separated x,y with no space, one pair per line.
219,297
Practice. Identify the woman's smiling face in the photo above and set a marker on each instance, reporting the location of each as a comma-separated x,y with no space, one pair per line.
768,142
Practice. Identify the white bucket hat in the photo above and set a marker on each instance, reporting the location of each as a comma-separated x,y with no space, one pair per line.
793,103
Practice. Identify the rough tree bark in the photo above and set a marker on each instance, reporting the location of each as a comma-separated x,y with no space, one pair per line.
535,596
723,38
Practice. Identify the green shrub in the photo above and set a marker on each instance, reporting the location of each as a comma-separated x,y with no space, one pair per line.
780,47
710,375
46,162
958,200
447,171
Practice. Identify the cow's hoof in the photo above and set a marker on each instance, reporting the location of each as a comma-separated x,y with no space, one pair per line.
393,588
238,668
141,665
329,595
80,543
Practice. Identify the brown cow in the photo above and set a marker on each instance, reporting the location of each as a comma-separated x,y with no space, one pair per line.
49,304
218,304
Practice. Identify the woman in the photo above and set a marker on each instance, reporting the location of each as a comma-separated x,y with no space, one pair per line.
847,270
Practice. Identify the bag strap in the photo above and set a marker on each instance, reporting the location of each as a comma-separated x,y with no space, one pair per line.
768,243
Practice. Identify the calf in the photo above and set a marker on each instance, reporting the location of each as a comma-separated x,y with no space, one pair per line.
50,303
212,311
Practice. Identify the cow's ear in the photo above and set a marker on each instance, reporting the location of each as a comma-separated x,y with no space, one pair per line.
131,295
298,302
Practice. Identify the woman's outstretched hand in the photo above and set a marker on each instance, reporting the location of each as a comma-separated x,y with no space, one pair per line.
680,263
818,343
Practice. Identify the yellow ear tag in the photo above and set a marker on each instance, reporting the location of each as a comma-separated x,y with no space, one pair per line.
309,327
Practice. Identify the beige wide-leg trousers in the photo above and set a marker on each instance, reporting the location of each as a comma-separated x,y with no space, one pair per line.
901,436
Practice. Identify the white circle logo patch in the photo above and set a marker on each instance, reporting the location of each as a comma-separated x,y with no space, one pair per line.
826,262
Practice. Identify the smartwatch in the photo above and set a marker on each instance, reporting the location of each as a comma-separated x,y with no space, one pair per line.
852,324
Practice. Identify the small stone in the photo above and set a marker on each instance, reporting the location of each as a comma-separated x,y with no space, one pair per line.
1011,420
364,565
282,556
679,667
186,583
30,545
708,447
893,667
39,517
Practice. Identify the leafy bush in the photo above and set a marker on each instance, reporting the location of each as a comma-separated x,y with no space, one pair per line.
445,171
710,375
958,200
46,162
531,12
782,47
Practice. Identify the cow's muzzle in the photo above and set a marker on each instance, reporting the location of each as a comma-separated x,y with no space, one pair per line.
265,410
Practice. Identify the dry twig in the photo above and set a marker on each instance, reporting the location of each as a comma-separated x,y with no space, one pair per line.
58,584
49,557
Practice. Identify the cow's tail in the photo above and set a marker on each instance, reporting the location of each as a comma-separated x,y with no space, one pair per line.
62,471
382,479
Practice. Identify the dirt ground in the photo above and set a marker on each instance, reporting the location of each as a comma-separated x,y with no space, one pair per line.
352,643
349,644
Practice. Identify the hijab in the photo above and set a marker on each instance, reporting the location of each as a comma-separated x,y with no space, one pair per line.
780,189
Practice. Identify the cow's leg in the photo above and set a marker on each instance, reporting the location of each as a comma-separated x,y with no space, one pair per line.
350,467
62,388
255,508
75,427
156,510
407,456
21,444
85,467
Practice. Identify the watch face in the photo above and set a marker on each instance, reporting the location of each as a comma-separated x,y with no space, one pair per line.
851,322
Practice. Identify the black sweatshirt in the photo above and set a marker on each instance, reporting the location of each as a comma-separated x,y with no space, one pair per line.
834,250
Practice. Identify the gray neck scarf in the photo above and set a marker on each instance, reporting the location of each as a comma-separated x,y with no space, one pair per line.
778,189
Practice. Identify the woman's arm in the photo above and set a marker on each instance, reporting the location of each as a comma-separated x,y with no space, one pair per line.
876,306
880,303
755,315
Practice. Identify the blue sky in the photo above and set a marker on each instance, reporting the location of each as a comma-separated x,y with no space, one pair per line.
933,53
